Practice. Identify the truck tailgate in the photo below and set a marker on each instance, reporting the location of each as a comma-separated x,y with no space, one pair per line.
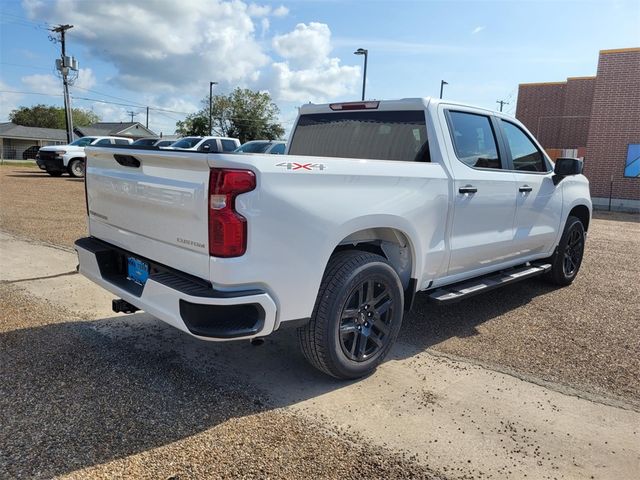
152,203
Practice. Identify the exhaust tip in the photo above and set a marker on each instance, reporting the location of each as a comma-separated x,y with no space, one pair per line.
257,341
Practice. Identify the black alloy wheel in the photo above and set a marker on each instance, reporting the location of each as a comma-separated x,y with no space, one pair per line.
366,320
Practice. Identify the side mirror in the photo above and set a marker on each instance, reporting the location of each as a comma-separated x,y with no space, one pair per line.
205,148
565,167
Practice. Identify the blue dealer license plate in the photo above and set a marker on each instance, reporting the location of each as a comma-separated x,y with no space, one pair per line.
137,270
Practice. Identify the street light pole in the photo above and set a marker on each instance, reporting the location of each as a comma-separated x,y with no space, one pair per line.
211,84
365,52
442,84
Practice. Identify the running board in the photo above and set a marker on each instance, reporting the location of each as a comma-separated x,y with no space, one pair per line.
468,288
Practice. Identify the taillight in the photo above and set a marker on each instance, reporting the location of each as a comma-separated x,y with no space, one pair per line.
227,228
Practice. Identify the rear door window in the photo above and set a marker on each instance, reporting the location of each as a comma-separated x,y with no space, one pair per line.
228,145
474,140
377,135
120,141
104,141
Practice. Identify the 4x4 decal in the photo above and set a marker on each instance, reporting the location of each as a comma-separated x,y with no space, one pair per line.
302,166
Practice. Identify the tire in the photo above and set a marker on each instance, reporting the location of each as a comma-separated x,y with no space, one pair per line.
566,261
55,174
76,168
357,315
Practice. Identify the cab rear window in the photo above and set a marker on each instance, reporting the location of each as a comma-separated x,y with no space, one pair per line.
377,135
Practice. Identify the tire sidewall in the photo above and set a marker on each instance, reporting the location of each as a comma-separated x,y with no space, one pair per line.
347,367
72,164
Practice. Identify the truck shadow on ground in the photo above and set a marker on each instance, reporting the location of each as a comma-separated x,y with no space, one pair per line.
101,390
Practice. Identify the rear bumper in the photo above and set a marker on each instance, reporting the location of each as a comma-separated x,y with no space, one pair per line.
185,302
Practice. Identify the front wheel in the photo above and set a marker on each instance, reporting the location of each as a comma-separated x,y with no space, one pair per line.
566,262
76,168
357,315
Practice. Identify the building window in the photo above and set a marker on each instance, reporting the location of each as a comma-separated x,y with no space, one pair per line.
632,165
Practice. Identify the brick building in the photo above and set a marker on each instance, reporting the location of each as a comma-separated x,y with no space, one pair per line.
596,118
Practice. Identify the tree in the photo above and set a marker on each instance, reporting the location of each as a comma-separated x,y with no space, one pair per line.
244,114
48,116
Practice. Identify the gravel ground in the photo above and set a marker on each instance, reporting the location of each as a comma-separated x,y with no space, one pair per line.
586,335
35,205
75,404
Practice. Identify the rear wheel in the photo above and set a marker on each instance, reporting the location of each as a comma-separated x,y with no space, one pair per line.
76,168
357,315
566,262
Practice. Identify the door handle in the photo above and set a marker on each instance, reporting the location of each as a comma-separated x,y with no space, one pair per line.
525,188
467,189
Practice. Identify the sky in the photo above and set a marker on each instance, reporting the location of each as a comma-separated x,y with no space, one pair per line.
164,53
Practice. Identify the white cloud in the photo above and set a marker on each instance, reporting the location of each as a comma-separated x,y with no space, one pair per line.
167,49
255,10
43,83
281,11
50,84
306,45
318,84
8,101
478,29
86,79
308,73
165,45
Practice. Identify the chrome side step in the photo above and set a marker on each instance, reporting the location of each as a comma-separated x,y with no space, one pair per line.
468,288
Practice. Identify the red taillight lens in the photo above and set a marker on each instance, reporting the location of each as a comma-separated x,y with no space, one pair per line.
227,228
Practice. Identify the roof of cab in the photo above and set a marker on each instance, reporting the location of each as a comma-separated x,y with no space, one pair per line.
417,103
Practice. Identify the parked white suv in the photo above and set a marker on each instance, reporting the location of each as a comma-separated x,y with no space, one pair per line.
58,159
206,144
374,202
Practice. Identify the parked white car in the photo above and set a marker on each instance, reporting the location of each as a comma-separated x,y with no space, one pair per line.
273,147
59,159
375,201
206,144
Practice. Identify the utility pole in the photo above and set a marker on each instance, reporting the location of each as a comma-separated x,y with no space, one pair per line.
211,84
132,113
147,125
502,103
442,84
64,64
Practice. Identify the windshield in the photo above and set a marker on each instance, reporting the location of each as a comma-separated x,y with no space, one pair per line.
83,142
253,147
188,142
145,142
397,135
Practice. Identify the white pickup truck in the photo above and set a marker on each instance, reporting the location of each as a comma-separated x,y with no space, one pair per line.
374,202
59,159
